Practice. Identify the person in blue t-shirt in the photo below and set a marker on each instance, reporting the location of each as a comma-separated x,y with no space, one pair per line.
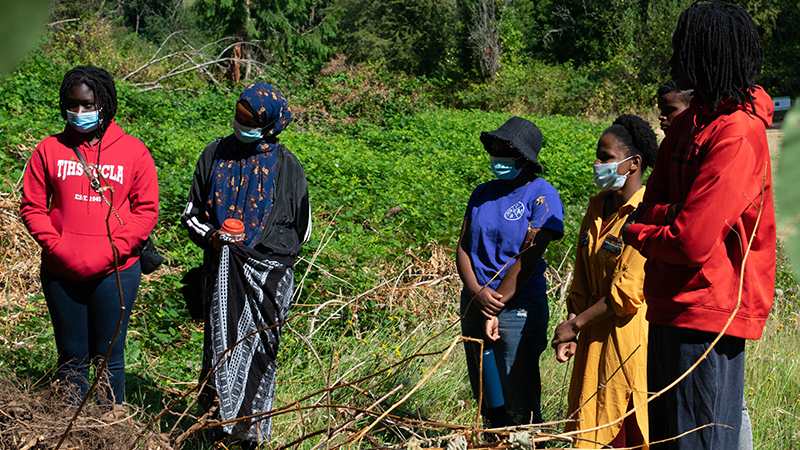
507,226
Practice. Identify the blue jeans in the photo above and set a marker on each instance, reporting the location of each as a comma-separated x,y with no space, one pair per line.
85,316
523,338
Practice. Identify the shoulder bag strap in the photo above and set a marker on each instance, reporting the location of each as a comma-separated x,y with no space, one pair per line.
87,171
95,183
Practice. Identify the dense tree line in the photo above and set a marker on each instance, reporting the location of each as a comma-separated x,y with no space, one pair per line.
606,51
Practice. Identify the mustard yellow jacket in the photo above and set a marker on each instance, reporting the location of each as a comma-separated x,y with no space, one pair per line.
604,266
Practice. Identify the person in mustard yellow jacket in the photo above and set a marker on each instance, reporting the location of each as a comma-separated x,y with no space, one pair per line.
605,328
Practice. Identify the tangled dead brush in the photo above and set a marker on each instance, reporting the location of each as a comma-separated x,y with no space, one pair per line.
426,286
431,283
32,418
19,254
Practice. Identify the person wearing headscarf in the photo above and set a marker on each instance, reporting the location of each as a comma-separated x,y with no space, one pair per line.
247,282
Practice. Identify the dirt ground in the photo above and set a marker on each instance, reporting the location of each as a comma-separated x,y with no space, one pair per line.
774,137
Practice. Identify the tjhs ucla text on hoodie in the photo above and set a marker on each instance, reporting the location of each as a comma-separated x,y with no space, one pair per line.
68,219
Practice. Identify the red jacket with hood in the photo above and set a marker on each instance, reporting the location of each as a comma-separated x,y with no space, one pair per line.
68,219
717,164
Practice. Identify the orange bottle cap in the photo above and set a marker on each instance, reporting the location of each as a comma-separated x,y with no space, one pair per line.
233,226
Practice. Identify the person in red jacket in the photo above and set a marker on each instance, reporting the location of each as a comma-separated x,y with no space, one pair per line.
671,102
65,206
709,192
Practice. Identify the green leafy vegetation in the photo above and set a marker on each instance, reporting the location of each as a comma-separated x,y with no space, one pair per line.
787,198
20,26
574,57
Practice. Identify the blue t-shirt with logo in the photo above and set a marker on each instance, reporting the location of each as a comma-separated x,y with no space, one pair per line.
499,217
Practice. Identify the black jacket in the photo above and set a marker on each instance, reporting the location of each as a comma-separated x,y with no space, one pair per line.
288,226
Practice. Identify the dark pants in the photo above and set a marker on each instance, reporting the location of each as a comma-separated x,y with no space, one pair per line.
523,338
85,316
712,393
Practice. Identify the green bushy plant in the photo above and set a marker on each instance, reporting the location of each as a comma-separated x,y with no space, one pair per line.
417,37
786,196
346,94
532,88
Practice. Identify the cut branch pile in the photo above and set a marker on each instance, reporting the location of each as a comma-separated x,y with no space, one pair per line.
32,418
173,59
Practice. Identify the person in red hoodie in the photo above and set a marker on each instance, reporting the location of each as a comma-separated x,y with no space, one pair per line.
65,206
709,192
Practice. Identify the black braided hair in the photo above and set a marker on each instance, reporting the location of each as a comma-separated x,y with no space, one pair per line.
102,85
637,135
718,48
669,87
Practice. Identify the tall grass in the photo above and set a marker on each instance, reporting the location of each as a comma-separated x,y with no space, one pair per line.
772,377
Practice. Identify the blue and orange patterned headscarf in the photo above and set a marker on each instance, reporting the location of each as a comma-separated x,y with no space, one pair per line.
271,111
243,175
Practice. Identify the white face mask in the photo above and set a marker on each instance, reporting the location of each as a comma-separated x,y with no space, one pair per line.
606,177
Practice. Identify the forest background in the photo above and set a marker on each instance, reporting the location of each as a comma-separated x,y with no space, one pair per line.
388,100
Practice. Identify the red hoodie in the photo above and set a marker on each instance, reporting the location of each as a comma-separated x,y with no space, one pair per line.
717,164
72,231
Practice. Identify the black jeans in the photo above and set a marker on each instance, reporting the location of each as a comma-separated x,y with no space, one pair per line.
712,393
85,316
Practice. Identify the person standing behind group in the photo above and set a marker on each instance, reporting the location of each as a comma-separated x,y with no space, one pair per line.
251,180
710,191
671,102
504,291
71,181
606,304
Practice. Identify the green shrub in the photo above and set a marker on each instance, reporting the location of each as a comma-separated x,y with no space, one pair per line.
532,88
346,94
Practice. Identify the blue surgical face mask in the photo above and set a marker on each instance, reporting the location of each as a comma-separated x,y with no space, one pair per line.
504,168
246,134
84,122
606,177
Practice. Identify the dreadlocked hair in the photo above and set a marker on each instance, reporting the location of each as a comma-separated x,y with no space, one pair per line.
718,48
102,85
637,135
669,87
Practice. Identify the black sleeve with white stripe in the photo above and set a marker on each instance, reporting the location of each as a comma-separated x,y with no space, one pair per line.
195,217
303,215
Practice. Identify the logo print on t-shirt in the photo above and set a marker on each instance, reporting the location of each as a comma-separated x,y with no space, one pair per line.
515,212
